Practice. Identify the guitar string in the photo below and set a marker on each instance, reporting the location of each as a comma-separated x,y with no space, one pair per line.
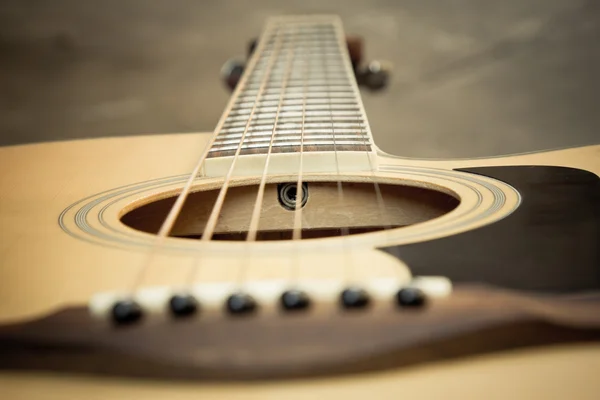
348,264
297,227
255,217
383,212
214,215
175,210
296,232
368,146
344,231
217,206
297,223
254,220
167,225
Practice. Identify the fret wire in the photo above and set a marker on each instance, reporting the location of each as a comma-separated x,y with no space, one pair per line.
317,107
309,89
315,75
292,119
315,82
290,125
296,131
291,114
260,135
296,137
295,127
318,89
297,102
291,106
316,58
313,95
236,124
295,143
327,51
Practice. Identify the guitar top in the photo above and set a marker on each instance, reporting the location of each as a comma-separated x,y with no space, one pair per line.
286,249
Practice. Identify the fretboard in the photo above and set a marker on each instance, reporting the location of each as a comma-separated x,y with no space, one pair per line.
297,94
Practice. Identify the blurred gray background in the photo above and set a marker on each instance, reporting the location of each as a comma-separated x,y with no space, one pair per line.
471,77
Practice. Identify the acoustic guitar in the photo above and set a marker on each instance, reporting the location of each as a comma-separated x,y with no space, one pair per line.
285,256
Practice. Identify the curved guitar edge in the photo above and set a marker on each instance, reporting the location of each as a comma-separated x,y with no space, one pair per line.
582,157
474,320
548,244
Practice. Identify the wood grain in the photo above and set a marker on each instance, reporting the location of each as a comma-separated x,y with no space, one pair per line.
44,269
473,320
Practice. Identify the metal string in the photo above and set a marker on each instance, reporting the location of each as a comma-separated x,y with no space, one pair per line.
297,228
367,144
169,222
379,197
214,215
167,225
344,231
253,228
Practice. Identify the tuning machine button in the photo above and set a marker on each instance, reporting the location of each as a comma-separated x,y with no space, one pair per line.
231,73
233,69
375,75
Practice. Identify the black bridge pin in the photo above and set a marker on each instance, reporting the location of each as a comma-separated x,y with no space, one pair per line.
411,297
126,312
183,305
295,300
240,303
354,297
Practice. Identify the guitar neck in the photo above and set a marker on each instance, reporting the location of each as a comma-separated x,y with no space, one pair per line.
298,94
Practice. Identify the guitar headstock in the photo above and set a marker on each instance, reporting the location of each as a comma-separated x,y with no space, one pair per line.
373,75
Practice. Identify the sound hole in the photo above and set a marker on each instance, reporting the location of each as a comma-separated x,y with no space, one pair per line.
324,213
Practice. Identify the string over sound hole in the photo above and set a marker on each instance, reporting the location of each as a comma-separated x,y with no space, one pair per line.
324,212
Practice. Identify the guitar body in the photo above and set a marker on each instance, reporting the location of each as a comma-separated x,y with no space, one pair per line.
44,268
285,256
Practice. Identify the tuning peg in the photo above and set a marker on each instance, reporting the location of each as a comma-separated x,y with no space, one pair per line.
231,72
252,46
375,75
